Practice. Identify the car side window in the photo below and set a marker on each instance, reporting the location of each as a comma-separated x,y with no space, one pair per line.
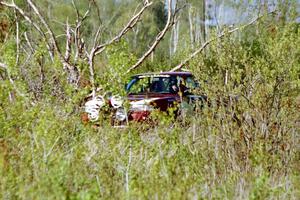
131,82
138,86
191,83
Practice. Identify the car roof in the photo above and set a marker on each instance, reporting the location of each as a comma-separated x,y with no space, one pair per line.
180,73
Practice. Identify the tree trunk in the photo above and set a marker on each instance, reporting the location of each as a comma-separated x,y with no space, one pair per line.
176,36
191,26
202,21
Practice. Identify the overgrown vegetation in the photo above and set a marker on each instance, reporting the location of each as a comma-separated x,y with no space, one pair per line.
246,149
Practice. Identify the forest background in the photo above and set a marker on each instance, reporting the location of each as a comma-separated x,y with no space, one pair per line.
55,53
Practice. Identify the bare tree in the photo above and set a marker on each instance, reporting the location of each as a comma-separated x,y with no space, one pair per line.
196,22
73,37
222,34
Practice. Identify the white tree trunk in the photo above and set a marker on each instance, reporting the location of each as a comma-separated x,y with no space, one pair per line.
176,36
203,20
171,44
191,26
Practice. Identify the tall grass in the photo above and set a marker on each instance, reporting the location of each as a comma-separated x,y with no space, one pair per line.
241,149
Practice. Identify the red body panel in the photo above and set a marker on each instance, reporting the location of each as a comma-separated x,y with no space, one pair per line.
161,102
139,115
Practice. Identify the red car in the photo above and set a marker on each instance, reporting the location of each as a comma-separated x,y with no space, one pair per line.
151,91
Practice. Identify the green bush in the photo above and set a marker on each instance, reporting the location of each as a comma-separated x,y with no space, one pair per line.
248,149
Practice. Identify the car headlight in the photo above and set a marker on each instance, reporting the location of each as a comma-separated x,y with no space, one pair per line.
93,116
116,101
93,106
121,114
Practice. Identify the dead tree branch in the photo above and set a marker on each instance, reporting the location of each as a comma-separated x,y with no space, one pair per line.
35,25
68,43
26,17
28,42
79,42
132,22
221,35
73,37
159,37
17,37
99,48
49,30
72,70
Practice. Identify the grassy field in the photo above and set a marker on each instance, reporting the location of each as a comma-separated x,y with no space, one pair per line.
47,153
247,150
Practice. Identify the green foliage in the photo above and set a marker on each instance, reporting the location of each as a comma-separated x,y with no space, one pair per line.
114,75
234,148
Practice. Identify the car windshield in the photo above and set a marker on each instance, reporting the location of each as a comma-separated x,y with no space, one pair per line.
158,84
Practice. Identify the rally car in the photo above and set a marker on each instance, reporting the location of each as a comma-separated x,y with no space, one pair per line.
148,92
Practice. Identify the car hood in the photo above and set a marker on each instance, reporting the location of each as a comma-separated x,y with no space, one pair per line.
160,101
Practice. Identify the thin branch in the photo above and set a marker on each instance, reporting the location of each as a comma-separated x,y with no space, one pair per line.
193,55
127,172
17,38
28,42
99,48
97,35
76,9
72,69
79,43
52,36
98,11
159,37
132,22
5,67
68,42
24,49
27,18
